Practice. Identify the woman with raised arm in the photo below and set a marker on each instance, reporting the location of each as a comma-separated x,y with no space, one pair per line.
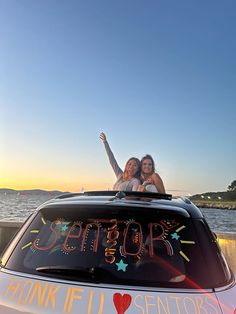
151,181
129,179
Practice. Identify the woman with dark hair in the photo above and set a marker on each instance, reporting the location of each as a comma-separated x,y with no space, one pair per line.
129,179
151,181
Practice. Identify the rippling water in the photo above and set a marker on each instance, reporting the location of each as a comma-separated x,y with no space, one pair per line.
18,206
220,219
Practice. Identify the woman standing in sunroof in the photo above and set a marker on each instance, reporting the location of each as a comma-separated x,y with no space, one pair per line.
151,181
129,179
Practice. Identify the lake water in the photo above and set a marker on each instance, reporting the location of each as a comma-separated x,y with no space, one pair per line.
18,206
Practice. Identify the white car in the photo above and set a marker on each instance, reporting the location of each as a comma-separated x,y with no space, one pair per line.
115,252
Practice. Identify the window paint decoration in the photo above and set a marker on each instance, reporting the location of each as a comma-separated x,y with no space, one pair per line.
123,244
33,294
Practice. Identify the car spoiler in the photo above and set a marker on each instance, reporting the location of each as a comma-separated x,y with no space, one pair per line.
119,194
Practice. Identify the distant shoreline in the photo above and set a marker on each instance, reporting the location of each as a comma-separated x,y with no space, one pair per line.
33,191
221,200
222,203
219,205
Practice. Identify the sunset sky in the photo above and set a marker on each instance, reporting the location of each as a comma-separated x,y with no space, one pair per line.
156,76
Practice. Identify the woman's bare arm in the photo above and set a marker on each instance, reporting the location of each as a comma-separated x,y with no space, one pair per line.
110,155
157,181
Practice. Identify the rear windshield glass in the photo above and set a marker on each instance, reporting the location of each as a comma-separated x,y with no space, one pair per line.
121,246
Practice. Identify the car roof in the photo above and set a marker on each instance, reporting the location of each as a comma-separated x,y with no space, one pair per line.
142,200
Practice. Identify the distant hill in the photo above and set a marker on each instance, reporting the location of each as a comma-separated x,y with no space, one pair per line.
33,192
215,196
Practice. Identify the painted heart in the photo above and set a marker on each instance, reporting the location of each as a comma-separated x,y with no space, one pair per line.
121,302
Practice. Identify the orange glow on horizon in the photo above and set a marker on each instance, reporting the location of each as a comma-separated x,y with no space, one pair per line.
64,185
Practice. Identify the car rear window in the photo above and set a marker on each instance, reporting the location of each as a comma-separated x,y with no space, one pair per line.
114,245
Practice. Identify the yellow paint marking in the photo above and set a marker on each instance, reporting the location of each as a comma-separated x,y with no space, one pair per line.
34,231
101,303
90,301
67,298
180,228
187,242
28,244
184,256
44,222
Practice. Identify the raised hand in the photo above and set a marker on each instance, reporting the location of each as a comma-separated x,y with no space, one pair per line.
103,137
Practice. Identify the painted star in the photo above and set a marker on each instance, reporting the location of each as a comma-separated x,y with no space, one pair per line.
64,228
175,236
121,265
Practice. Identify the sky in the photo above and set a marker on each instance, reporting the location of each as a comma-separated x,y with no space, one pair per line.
158,77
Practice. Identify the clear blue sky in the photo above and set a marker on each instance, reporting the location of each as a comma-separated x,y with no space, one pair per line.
157,77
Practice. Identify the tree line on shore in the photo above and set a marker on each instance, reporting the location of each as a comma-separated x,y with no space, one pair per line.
227,196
